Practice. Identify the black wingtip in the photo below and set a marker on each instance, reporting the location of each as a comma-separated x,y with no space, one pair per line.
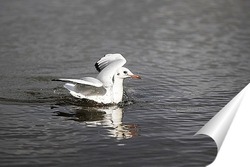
55,80
97,67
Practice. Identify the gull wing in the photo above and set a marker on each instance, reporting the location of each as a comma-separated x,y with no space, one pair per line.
107,66
84,91
85,87
107,60
84,81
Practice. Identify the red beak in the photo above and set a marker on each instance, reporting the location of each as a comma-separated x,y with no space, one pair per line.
135,76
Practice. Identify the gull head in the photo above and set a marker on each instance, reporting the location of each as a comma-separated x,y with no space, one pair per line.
124,72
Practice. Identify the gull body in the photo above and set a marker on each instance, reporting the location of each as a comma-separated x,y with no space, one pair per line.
107,87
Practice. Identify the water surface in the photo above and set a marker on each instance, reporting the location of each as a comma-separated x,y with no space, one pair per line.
193,57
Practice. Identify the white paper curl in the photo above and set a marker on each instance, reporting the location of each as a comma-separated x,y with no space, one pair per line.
230,129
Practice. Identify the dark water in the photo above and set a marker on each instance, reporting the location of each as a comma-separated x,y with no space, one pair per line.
193,57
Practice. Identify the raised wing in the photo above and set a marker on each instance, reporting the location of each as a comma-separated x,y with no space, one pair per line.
107,60
84,81
107,66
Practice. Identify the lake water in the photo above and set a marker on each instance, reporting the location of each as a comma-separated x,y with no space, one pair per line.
193,57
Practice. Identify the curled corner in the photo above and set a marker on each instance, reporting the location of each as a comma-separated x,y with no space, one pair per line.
218,126
223,128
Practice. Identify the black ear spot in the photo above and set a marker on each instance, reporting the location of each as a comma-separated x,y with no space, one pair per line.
118,73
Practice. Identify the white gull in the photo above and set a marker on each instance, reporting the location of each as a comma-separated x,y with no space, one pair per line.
107,87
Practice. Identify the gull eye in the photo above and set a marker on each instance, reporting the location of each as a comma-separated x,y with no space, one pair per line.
125,72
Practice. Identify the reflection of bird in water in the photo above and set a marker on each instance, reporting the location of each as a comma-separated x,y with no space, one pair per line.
110,117
113,119
107,87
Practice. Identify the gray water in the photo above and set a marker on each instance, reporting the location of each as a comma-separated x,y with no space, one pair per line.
193,57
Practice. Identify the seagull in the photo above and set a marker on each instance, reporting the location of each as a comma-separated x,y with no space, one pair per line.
107,87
